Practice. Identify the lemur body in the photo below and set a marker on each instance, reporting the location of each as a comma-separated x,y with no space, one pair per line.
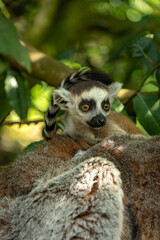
48,194
86,97
116,124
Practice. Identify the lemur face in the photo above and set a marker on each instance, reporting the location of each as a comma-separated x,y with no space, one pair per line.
86,96
92,107
89,105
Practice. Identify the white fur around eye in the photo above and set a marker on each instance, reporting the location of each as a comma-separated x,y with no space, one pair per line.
97,94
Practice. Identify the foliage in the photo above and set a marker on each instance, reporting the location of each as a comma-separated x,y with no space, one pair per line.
10,43
147,110
121,38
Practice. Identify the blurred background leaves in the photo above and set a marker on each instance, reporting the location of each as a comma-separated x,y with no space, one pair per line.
118,37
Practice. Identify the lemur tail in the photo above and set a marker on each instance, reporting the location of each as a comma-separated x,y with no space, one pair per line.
50,120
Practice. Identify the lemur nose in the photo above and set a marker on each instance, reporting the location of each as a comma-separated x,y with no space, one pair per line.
97,121
101,121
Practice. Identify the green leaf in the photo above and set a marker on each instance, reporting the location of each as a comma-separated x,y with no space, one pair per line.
74,65
147,109
117,105
150,87
151,57
140,46
5,107
17,94
142,128
3,67
157,75
41,96
10,43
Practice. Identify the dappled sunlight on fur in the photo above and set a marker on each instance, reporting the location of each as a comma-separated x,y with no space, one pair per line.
108,191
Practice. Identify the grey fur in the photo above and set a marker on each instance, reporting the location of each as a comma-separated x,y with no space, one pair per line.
49,195
83,203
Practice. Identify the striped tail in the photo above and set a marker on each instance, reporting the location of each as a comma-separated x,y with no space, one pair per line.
50,120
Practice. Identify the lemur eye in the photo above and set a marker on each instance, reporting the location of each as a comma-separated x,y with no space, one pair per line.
106,106
85,107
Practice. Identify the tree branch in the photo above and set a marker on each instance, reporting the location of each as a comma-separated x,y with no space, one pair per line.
43,68
9,123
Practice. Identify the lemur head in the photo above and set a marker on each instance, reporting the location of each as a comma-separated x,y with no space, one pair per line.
86,96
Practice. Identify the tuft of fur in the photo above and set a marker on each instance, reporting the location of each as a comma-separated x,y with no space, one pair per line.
86,75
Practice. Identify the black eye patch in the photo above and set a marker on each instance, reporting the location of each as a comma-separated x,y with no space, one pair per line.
106,105
90,102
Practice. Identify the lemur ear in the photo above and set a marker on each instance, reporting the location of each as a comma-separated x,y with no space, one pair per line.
62,98
114,89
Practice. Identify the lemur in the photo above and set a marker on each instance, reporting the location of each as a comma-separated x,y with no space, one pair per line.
87,96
